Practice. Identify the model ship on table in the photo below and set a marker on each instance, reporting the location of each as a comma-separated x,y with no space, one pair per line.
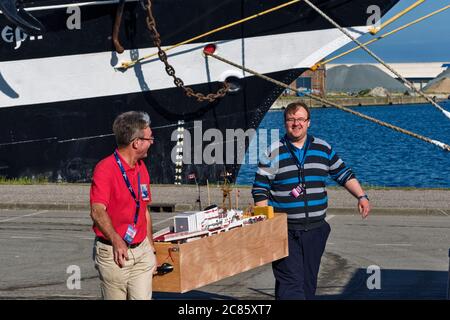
228,240
192,225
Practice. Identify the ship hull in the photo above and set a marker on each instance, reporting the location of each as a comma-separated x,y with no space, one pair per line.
60,93
64,140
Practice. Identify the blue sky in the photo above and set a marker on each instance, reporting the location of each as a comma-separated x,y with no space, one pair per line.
427,41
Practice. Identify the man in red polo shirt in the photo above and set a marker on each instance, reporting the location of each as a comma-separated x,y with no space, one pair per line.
120,192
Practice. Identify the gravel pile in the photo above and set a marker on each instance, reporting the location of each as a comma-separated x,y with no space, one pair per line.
360,77
441,84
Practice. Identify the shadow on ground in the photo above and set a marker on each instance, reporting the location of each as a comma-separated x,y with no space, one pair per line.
394,284
191,295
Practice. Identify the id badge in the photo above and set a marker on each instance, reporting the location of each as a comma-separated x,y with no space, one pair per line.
297,191
144,192
131,232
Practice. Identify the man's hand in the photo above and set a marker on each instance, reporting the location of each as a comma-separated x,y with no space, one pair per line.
263,203
120,251
357,191
364,207
152,247
103,222
155,268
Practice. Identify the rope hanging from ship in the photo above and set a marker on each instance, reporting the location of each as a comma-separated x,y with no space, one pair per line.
373,55
123,65
21,15
383,36
327,102
151,25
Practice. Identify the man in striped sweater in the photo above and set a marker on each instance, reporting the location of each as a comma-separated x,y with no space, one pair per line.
291,178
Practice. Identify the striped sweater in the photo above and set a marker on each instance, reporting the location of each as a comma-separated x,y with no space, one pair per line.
278,174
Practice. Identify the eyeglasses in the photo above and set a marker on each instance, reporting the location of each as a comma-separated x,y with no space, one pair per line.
147,139
294,120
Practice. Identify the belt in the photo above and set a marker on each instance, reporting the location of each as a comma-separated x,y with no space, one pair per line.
107,242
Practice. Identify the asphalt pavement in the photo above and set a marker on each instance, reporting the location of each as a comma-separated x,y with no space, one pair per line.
395,256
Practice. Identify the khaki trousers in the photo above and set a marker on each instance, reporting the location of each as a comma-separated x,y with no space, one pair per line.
134,280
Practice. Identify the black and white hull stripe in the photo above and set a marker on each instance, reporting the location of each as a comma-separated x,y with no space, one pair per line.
59,92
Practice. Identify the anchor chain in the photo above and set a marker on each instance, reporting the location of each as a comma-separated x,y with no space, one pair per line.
211,97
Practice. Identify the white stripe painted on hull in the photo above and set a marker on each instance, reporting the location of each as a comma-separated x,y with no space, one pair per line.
73,77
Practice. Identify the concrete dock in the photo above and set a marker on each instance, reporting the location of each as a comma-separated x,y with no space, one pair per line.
184,197
46,239
349,101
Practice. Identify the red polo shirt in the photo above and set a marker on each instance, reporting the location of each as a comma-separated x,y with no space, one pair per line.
109,188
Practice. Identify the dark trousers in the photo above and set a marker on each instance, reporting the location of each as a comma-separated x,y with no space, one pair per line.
296,275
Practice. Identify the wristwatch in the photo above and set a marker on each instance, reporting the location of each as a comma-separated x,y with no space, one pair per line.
363,196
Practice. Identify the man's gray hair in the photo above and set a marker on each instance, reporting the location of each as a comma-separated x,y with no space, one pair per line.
129,125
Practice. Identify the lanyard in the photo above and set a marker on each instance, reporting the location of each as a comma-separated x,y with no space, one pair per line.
127,182
300,165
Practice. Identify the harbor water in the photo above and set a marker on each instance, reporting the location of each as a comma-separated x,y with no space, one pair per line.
379,156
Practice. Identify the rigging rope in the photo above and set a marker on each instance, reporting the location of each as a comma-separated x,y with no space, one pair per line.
406,82
397,16
385,35
327,102
128,64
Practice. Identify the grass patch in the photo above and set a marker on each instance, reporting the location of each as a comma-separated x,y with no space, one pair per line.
23,181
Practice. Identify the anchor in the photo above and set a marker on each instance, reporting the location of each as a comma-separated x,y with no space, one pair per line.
13,11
